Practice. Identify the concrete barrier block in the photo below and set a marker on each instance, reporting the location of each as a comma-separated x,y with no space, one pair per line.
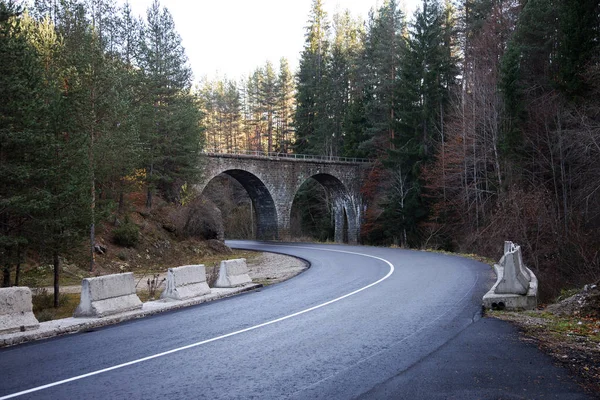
510,247
186,282
514,280
524,271
233,273
16,310
106,295
516,285
511,302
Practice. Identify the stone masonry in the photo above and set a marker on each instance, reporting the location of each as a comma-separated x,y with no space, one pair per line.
272,183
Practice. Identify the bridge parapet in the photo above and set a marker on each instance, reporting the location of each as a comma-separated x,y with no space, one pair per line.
288,157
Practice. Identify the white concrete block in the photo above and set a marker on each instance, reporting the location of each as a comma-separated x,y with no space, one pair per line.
106,295
510,247
186,282
514,280
524,271
16,310
511,302
233,273
516,285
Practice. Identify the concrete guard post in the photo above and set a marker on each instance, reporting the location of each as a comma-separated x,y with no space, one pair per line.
185,283
516,285
233,273
16,310
107,295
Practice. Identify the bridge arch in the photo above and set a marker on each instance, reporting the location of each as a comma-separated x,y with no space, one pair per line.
344,212
262,201
272,182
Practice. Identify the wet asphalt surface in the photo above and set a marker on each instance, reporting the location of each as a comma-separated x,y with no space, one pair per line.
416,334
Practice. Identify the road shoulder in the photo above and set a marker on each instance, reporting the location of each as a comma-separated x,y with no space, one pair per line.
478,363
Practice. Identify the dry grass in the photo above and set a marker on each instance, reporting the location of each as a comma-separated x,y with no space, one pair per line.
43,305
472,256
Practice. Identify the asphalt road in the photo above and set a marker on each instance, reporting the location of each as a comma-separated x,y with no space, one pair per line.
362,322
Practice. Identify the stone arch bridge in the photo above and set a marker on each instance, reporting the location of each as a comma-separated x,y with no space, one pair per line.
273,180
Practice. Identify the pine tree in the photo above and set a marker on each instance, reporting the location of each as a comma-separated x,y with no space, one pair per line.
20,80
254,121
268,102
311,119
428,72
284,107
578,42
233,115
345,50
128,40
60,178
383,47
170,128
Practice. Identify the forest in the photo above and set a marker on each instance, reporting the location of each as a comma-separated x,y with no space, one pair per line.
96,104
481,118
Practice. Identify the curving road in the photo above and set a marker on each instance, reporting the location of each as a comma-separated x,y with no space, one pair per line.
362,322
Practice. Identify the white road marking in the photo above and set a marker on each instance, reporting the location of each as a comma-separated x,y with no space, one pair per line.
189,346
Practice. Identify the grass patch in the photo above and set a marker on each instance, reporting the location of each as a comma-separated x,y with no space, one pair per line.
146,295
563,328
576,327
43,275
471,256
566,293
43,305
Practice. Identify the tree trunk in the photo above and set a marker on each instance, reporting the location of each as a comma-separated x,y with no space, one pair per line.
121,201
92,186
18,269
149,198
56,262
149,194
6,275
92,242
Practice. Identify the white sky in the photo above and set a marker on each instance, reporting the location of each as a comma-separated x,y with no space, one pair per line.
233,37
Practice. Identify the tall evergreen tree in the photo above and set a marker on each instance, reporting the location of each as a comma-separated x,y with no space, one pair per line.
20,81
254,121
383,48
284,107
578,42
427,72
311,119
345,50
268,102
171,131
234,116
61,151
128,36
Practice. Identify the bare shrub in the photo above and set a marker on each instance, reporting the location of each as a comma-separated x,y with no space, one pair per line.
219,247
43,303
212,274
153,285
199,218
